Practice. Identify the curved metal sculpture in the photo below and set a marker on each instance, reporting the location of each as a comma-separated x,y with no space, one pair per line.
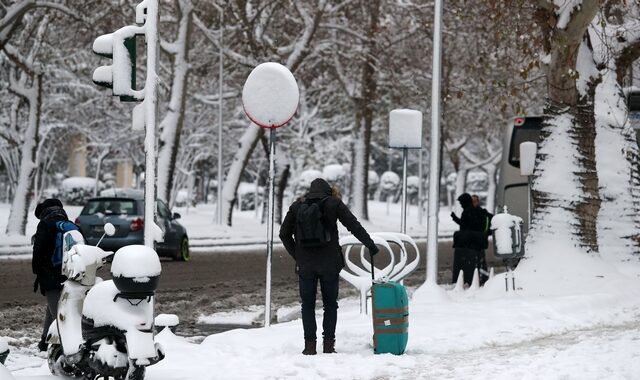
398,268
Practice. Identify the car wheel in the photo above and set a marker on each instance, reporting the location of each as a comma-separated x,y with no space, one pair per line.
183,253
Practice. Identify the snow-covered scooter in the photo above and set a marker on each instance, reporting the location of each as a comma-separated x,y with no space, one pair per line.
104,329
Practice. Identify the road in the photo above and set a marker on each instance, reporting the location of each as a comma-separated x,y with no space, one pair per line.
210,282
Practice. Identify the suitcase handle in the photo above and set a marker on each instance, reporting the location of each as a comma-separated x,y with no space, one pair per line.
372,267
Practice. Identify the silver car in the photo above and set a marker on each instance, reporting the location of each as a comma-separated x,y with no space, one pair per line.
127,215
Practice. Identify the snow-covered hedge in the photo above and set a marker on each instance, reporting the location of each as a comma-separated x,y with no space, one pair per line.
77,190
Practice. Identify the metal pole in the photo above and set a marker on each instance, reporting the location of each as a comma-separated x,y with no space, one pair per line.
420,189
434,170
270,222
403,221
150,104
529,205
220,90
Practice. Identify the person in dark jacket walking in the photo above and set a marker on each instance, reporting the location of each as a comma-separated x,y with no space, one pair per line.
49,278
469,240
322,264
486,217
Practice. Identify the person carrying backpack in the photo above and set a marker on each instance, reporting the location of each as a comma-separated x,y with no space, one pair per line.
47,257
309,232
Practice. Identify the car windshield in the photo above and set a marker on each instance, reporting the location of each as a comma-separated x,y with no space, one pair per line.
110,207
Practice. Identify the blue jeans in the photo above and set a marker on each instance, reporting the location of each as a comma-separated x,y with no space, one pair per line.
329,290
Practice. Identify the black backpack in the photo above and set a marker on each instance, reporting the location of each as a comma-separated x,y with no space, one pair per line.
311,231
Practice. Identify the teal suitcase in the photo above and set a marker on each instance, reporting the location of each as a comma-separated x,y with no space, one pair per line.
390,311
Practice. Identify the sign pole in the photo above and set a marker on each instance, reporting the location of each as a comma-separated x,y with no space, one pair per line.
270,223
403,222
151,108
270,112
434,166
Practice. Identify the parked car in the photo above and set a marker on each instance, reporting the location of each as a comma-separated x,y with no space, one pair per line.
127,215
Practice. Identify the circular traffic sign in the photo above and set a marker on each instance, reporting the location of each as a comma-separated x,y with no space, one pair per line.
270,95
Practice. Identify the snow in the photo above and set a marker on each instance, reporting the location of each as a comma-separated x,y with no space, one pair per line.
334,173
100,306
564,10
502,224
270,95
586,68
5,374
249,316
167,320
389,181
4,346
71,183
483,334
554,178
405,129
136,261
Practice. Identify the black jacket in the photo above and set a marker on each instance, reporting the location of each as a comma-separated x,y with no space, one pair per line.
472,226
44,243
326,260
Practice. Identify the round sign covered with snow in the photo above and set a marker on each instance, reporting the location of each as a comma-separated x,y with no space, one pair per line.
270,95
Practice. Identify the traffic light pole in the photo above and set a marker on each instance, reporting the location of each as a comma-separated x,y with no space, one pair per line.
150,113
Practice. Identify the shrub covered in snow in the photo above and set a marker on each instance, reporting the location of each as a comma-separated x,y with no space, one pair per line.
77,190
389,186
304,181
247,195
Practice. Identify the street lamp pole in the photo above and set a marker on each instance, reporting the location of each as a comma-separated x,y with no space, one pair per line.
220,91
434,170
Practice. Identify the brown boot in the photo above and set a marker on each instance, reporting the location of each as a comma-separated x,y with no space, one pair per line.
329,346
309,347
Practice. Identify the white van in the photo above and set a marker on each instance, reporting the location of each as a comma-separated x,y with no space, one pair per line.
512,187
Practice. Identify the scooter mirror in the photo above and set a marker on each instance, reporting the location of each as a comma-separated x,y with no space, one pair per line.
109,229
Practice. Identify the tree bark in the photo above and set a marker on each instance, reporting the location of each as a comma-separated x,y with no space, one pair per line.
364,121
568,126
17,222
171,125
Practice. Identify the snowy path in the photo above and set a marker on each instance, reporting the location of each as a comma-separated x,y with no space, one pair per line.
479,335
611,352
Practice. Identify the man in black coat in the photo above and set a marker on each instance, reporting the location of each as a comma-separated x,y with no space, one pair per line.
321,264
486,217
49,278
469,241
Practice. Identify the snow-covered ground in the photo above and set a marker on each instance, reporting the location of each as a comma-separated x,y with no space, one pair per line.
246,229
481,334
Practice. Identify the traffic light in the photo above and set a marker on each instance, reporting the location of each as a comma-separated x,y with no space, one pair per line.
120,76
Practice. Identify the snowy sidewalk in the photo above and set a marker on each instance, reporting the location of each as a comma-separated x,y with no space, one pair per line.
483,334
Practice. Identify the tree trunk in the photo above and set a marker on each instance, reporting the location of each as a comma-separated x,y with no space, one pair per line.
282,185
366,108
171,125
617,164
246,145
491,170
17,222
565,183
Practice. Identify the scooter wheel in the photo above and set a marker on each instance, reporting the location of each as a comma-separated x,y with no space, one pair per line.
56,363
